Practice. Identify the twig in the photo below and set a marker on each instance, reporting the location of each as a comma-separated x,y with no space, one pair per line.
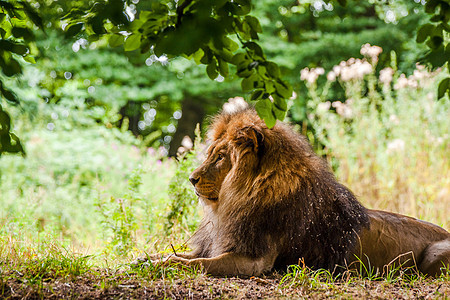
173,249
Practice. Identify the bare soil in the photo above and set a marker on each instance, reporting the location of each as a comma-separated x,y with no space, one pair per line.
111,284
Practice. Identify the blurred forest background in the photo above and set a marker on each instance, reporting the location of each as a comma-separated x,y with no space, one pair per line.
101,127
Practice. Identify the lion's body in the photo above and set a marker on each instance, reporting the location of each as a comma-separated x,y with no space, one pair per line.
269,201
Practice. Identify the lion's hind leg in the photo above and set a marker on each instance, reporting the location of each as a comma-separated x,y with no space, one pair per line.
436,258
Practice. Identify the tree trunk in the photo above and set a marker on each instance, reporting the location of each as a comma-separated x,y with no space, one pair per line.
192,112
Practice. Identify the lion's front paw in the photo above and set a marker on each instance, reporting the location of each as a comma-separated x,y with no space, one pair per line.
148,259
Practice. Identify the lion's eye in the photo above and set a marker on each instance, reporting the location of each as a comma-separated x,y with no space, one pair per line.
219,157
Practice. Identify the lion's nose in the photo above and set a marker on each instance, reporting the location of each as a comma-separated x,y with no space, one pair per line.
194,180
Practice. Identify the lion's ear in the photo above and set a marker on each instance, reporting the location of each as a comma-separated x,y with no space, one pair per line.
250,136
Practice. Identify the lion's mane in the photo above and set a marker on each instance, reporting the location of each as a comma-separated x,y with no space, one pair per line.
278,193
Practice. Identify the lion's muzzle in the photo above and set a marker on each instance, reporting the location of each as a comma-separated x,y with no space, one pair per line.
194,180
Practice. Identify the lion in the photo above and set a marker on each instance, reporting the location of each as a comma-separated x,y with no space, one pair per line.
269,201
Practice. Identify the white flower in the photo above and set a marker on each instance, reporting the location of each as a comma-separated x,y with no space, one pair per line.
319,71
311,75
337,70
363,68
346,74
412,82
331,76
323,106
386,75
343,110
402,82
371,51
396,145
304,73
394,119
374,51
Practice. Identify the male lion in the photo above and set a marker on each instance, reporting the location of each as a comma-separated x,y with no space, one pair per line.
269,201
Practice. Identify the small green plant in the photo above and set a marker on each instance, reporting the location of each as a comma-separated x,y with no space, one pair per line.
119,215
445,273
366,271
183,199
301,275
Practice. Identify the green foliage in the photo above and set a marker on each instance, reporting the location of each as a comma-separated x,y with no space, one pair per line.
183,202
195,29
9,142
301,276
17,19
435,35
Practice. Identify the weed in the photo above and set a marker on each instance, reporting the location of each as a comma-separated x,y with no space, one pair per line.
119,215
301,275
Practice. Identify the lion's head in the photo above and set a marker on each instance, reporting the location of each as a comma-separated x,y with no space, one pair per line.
233,143
263,186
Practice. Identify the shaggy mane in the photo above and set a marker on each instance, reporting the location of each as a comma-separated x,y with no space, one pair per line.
279,193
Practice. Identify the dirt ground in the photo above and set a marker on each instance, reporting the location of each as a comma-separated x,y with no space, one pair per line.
107,284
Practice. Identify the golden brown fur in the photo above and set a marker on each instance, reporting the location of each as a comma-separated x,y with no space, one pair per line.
269,201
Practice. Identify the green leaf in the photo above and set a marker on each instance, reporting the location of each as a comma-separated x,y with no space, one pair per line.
247,84
25,33
435,42
257,94
283,89
132,42
226,55
279,102
116,40
444,87
279,114
20,49
264,109
223,67
430,6
230,44
73,29
5,122
211,70
207,56
198,55
32,14
424,32
96,23
10,96
245,72
269,87
255,48
29,59
273,69
254,23
238,58
12,68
